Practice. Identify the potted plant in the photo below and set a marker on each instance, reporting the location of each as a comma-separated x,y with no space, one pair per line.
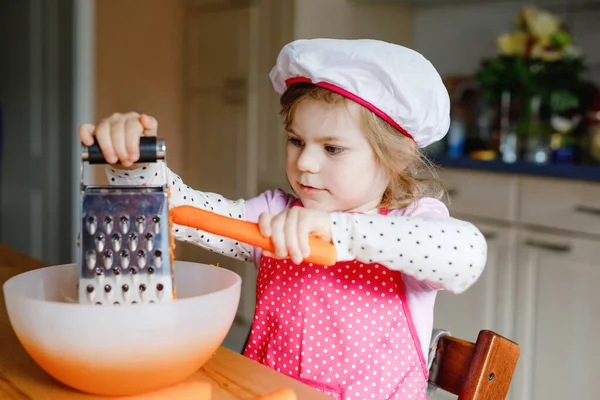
540,69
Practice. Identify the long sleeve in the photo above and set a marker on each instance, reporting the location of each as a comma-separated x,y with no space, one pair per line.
447,253
181,194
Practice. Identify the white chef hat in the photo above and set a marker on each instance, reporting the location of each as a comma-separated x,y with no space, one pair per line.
396,83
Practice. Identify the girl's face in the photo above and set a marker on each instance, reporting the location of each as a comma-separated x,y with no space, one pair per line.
329,162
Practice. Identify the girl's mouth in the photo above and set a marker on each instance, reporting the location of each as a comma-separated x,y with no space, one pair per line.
309,189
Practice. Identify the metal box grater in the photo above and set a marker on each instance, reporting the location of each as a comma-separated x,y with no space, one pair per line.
125,244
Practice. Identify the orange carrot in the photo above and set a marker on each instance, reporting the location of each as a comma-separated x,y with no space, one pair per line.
321,251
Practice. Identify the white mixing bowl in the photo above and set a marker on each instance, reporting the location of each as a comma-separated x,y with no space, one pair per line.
122,350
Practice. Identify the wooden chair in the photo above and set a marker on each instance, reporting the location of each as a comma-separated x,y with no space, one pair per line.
474,371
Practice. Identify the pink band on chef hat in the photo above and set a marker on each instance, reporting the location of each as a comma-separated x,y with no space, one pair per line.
352,97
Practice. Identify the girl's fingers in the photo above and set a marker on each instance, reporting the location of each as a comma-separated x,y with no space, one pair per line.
149,124
117,132
264,224
119,136
103,137
291,235
304,231
86,134
278,235
133,131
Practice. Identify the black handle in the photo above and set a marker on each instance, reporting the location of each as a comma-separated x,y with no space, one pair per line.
151,150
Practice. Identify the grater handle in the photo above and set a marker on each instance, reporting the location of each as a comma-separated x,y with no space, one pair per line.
321,251
152,149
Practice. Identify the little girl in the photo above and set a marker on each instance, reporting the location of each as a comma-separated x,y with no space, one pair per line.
356,113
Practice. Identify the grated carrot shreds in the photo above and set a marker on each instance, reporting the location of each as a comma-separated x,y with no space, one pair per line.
172,248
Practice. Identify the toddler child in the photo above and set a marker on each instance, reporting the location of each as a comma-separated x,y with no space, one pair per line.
356,113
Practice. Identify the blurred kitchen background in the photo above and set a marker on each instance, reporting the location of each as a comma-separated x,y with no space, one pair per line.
521,159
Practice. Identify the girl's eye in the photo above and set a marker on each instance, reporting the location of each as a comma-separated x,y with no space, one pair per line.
296,142
333,150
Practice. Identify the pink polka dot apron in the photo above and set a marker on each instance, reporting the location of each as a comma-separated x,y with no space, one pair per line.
345,330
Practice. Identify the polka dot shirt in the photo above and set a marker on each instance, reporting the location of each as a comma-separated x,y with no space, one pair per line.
447,253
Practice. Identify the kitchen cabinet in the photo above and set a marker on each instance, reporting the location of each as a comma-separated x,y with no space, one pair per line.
557,288
540,283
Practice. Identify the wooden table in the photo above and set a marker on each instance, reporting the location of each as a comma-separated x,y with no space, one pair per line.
231,375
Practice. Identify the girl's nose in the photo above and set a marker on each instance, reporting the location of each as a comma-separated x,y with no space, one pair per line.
308,161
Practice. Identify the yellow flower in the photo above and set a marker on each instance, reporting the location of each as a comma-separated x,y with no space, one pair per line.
540,24
513,44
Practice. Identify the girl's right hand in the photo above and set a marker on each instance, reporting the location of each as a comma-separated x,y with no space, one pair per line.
119,136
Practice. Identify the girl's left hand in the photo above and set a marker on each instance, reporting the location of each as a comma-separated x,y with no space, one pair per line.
291,229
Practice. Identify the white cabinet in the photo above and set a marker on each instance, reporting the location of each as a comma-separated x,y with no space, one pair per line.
541,282
561,205
483,195
556,324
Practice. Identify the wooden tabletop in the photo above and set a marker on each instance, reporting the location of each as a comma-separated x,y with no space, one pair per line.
230,375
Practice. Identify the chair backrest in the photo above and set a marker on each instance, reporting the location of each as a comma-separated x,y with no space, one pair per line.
474,371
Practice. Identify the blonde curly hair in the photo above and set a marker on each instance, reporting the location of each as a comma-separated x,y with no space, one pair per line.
411,175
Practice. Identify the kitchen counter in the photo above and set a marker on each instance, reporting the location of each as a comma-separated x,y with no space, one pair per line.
230,375
562,171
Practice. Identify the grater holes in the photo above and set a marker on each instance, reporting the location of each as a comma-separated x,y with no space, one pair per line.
90,259
89,288
149,241
141,258
116,241
92,224
124,255
133,241
108,258
140,223
115,229
124,224
99,240
108,224
157,258
156,224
